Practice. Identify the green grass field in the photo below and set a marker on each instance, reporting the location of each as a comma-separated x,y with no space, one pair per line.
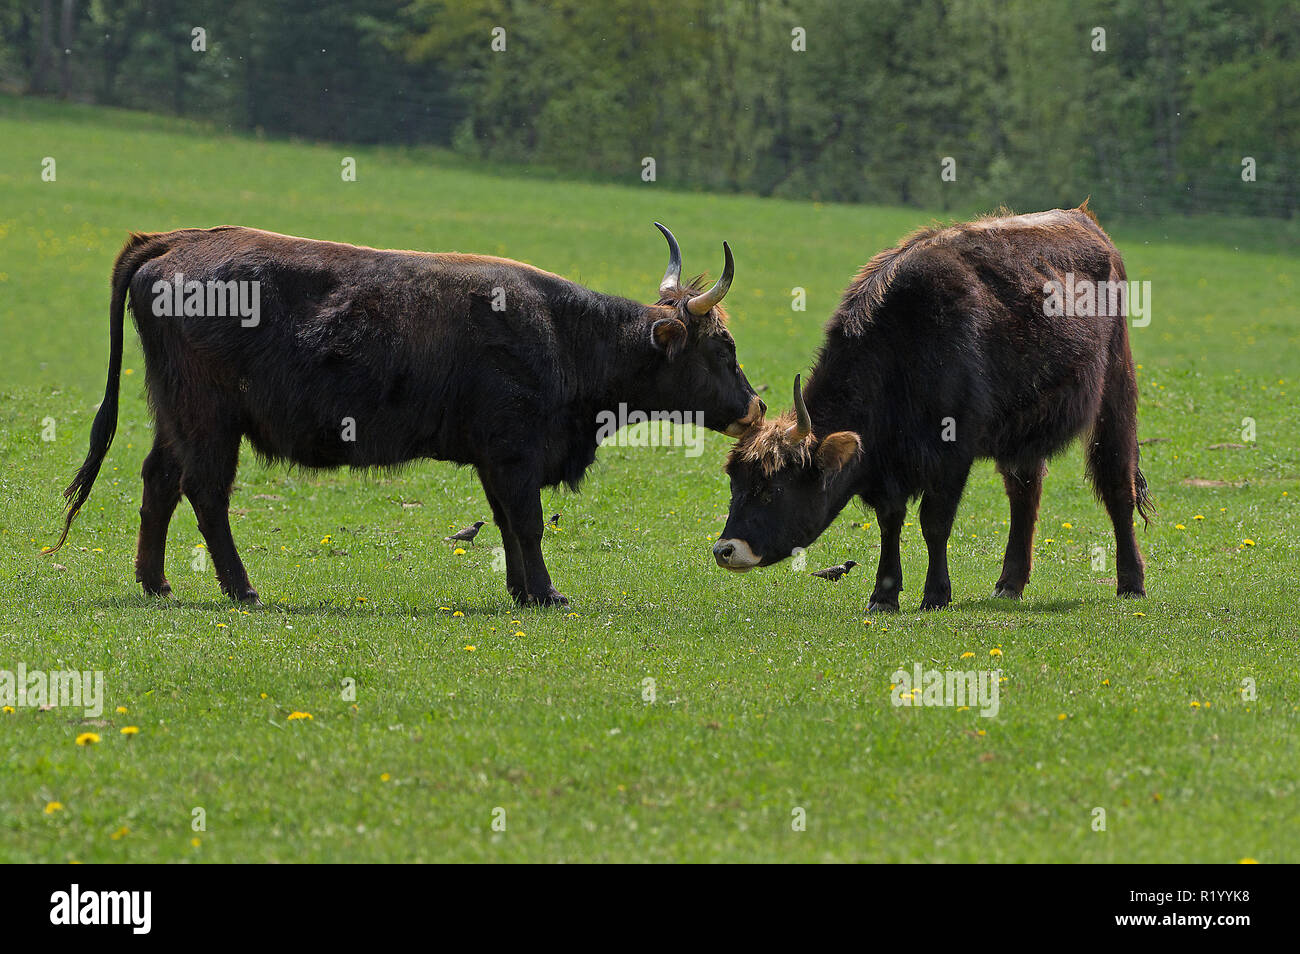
772,690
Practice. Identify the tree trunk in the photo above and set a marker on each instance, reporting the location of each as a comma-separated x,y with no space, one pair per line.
40,80
66,22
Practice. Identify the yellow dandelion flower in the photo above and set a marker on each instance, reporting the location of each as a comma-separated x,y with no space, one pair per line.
1067,526
1247,861
385,777
130,730
459,551
52,807
120,710
1248,542
87,738
262,694
300,715
458,613
1199,516
120,833
1139,613
1049,540
445,608
520,632
1105,682
196,841
994,652
8,709
980,732
470,649
223,626
1195,704
326,539
1179,526
967,655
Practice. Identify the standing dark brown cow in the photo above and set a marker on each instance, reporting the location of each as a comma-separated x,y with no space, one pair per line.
948,348
326,354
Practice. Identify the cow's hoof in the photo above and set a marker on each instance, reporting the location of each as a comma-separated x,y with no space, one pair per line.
1002,592
1131,593
552,598
880,606
936,602
153,589
248,597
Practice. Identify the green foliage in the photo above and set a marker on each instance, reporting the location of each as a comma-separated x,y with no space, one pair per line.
1019,94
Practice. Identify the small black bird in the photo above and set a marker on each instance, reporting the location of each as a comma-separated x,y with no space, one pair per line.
555,520
467,535
833,573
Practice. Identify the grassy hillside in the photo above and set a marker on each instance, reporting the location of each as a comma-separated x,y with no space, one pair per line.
771,689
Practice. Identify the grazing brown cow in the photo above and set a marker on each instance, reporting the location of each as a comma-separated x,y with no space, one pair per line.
954,345
326,355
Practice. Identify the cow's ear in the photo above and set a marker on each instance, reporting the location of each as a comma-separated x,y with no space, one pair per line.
669,336
837,450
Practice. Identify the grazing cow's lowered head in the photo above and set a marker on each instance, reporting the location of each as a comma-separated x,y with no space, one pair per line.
787,485
691,333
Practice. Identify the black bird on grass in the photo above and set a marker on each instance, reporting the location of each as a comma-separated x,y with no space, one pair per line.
467,535
833,573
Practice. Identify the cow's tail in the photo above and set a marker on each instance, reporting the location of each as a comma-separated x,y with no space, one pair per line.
1114,451
138,249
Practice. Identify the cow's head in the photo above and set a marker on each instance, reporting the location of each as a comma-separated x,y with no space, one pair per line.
787,485
697,363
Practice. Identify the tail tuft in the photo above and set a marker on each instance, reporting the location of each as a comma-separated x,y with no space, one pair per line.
1145,505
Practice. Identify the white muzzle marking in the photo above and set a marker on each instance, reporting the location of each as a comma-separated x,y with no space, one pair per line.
736,555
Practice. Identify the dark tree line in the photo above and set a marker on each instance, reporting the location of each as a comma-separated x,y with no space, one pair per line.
1147,105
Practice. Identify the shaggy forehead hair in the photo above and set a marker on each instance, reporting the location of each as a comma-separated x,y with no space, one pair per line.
766,445
715,322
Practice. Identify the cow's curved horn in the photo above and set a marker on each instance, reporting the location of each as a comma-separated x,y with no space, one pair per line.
700,304
673,276
802,426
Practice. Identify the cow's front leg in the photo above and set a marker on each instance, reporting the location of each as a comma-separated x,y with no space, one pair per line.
889,572
516,583
938,509
521,502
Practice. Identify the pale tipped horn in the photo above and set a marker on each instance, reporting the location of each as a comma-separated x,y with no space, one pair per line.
802,427
700,304
673,276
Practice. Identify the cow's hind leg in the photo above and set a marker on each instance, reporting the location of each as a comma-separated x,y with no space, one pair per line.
162,491
208,472
938,509
889,572
1024,485
1113,467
